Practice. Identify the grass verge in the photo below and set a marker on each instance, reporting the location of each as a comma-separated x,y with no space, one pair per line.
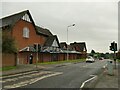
60,62
7,68
119,60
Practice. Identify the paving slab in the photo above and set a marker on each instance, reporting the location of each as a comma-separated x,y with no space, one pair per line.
108,81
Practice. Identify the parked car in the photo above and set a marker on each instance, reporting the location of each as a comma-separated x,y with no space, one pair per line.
101,58
90,59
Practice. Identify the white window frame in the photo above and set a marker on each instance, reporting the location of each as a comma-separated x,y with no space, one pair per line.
26,32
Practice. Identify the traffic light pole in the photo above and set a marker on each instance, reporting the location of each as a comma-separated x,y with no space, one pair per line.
36,54
113,47
114,55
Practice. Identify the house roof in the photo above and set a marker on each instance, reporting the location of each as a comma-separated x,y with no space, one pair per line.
12,19
80,45
63,44
43,31
28,48
50,41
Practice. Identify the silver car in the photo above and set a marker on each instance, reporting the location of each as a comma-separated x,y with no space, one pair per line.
90,59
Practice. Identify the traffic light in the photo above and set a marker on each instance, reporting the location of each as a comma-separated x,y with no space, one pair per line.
39,48
35,47
113,46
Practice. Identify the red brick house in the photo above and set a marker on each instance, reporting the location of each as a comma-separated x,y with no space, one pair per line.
27,35
22,28
63,45
79,47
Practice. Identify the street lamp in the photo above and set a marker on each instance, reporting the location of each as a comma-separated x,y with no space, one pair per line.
67,38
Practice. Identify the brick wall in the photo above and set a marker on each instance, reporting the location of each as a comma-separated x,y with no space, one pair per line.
9,59
46,57
22,42
0,59
61,57
24,57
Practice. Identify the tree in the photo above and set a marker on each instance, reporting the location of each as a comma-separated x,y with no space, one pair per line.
92,53
8,45
107,55
102,55
118,54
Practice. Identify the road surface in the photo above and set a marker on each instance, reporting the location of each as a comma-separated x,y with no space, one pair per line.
70,75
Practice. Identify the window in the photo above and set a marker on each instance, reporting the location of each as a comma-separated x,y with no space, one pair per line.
26,32
26,18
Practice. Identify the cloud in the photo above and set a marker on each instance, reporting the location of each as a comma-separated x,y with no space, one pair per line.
96,22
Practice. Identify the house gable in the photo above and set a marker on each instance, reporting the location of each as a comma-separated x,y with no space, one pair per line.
55,43
23,29
63,45
12,19
26,18
80,47
52,41
52,44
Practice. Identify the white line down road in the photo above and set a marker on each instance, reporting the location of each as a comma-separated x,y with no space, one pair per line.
94,76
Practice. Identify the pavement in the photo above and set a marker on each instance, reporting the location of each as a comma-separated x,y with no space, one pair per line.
108,81
21,69
103,80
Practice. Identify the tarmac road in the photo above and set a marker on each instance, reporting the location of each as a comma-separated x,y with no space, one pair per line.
71,76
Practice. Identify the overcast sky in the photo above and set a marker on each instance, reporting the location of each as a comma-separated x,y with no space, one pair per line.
96,23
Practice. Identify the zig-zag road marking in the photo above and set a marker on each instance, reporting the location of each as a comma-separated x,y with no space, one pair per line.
25,76
17,74
31,81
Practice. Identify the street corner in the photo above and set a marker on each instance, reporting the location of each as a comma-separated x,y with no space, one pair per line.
107,80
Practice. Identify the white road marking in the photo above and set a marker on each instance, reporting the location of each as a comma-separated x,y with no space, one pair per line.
58,73
25,76
17,74
94,76
31,81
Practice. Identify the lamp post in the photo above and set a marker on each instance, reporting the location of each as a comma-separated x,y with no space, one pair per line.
67,39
